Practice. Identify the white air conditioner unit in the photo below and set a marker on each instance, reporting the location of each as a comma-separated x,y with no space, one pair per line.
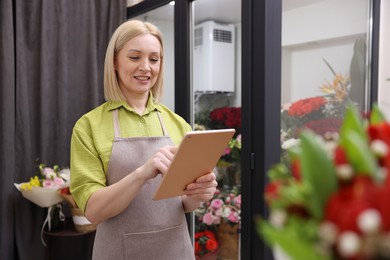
214,55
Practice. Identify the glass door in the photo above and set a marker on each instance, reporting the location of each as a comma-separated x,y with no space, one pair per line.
216,84
325,64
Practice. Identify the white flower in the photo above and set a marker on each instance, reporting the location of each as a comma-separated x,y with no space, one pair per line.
278,218
344,172
290,143
327,231
65,174
226,212
379,148
369,221
349,244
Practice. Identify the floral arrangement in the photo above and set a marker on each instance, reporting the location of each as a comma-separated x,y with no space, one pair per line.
226,207
42,188
206,243
321,114
330,201
226,117
48,178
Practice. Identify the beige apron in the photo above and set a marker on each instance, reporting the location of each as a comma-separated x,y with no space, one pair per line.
146,229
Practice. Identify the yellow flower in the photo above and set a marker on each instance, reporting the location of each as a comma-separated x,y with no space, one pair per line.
338,89
34,182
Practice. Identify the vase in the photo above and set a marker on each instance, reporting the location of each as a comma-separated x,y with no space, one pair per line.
228,238
81,223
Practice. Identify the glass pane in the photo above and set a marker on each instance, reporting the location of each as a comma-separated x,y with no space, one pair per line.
217,104
324,64
162,17
384,61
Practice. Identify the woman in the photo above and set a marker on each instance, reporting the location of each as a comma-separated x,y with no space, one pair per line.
121,149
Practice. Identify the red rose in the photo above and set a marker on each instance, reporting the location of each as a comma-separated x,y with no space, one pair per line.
305,106
198,248
209,234
198,235
211,244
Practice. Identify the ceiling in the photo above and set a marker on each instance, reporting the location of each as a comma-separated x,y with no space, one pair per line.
211,10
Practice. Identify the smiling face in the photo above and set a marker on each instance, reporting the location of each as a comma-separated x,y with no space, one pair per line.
137,66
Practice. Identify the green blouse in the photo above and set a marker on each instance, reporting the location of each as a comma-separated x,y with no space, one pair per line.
93,135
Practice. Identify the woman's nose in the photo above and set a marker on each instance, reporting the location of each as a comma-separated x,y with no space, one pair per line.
144,66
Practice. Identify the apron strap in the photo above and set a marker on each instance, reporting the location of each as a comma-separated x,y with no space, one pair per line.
165,132
117,128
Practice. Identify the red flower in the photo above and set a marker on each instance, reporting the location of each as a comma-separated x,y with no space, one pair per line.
324,125
211,244
226,117
198,248
296,169
349,201
205,242
209,234
340,156
306,106
272,190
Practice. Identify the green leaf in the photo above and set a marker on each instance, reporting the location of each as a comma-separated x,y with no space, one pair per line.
352,122
358,152
376,116
330,67
289,239
318,171
278,171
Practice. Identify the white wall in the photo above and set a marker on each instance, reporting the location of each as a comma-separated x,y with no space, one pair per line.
326,30
384,60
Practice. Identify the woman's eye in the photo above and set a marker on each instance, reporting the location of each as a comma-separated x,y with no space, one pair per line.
154,59
134,57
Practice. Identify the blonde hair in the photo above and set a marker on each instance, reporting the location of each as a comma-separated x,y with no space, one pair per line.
124,33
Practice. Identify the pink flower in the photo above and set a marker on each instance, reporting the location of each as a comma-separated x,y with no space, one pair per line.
58,181
48,173
216,203
233,217
209,219
226,151
48,184
237,201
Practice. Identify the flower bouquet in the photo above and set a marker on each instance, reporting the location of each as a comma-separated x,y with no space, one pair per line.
42,189
226,207
330,201
223,212
321,114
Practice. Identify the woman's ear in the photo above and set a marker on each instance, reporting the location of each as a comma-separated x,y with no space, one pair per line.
115,64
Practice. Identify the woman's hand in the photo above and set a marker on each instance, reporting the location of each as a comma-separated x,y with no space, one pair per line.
201,190
159,162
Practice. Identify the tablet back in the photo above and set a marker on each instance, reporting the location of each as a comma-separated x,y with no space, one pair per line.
198,154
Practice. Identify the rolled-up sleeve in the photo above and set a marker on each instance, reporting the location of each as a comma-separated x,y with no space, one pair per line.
87,173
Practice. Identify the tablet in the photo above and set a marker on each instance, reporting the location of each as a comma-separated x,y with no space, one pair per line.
197,154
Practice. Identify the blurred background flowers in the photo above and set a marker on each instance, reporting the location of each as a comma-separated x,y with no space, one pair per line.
329,200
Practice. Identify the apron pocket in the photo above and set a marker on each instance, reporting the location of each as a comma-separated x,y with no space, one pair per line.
170,243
